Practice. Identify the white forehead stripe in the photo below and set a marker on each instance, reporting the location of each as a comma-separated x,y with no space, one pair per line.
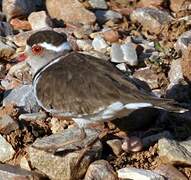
62,47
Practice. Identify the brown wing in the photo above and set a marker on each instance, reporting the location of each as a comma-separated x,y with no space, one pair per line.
80,84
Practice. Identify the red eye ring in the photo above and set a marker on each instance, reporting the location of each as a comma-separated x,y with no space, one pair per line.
37,50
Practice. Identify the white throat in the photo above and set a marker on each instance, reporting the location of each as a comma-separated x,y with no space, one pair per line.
62,47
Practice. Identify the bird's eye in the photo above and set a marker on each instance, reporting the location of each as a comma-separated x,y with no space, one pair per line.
37,50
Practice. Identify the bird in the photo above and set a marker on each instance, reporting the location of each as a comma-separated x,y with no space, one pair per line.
81,87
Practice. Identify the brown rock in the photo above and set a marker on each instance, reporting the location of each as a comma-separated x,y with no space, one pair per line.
170,172
100,170
7,124
21,38
150,3
20,24
148,76
17,8
116,146
111,36
70,11
186,64
176,5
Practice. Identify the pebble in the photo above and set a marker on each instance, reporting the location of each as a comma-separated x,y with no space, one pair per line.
150,3
125,53
39,20
129,54
116,146
74,12
58,126
17,8
18,24
148,76
111,36
132,144
24,163
22,97
5,29
98,4
177,5
7,49
10,172
151,19
183,41
186,64
20,38
6,151
103,16
117,53
63,163
84,45
7,124
173,152
33,116
99,44
175,74
138,174
170,172
100,170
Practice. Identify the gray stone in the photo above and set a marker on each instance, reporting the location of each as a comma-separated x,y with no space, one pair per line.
99,44
170,172
9,172
183,41
138,174
23,97
100,170
7,124
70,11
68,161
6,151
150,18
98,4
173,152
129,54
5,29
175,74
33,116
17,8
103,16
116,53
124,54
39,20
116,146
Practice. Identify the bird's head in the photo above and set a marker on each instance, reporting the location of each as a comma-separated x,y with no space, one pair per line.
43,47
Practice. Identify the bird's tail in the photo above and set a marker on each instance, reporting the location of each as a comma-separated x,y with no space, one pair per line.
169,105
